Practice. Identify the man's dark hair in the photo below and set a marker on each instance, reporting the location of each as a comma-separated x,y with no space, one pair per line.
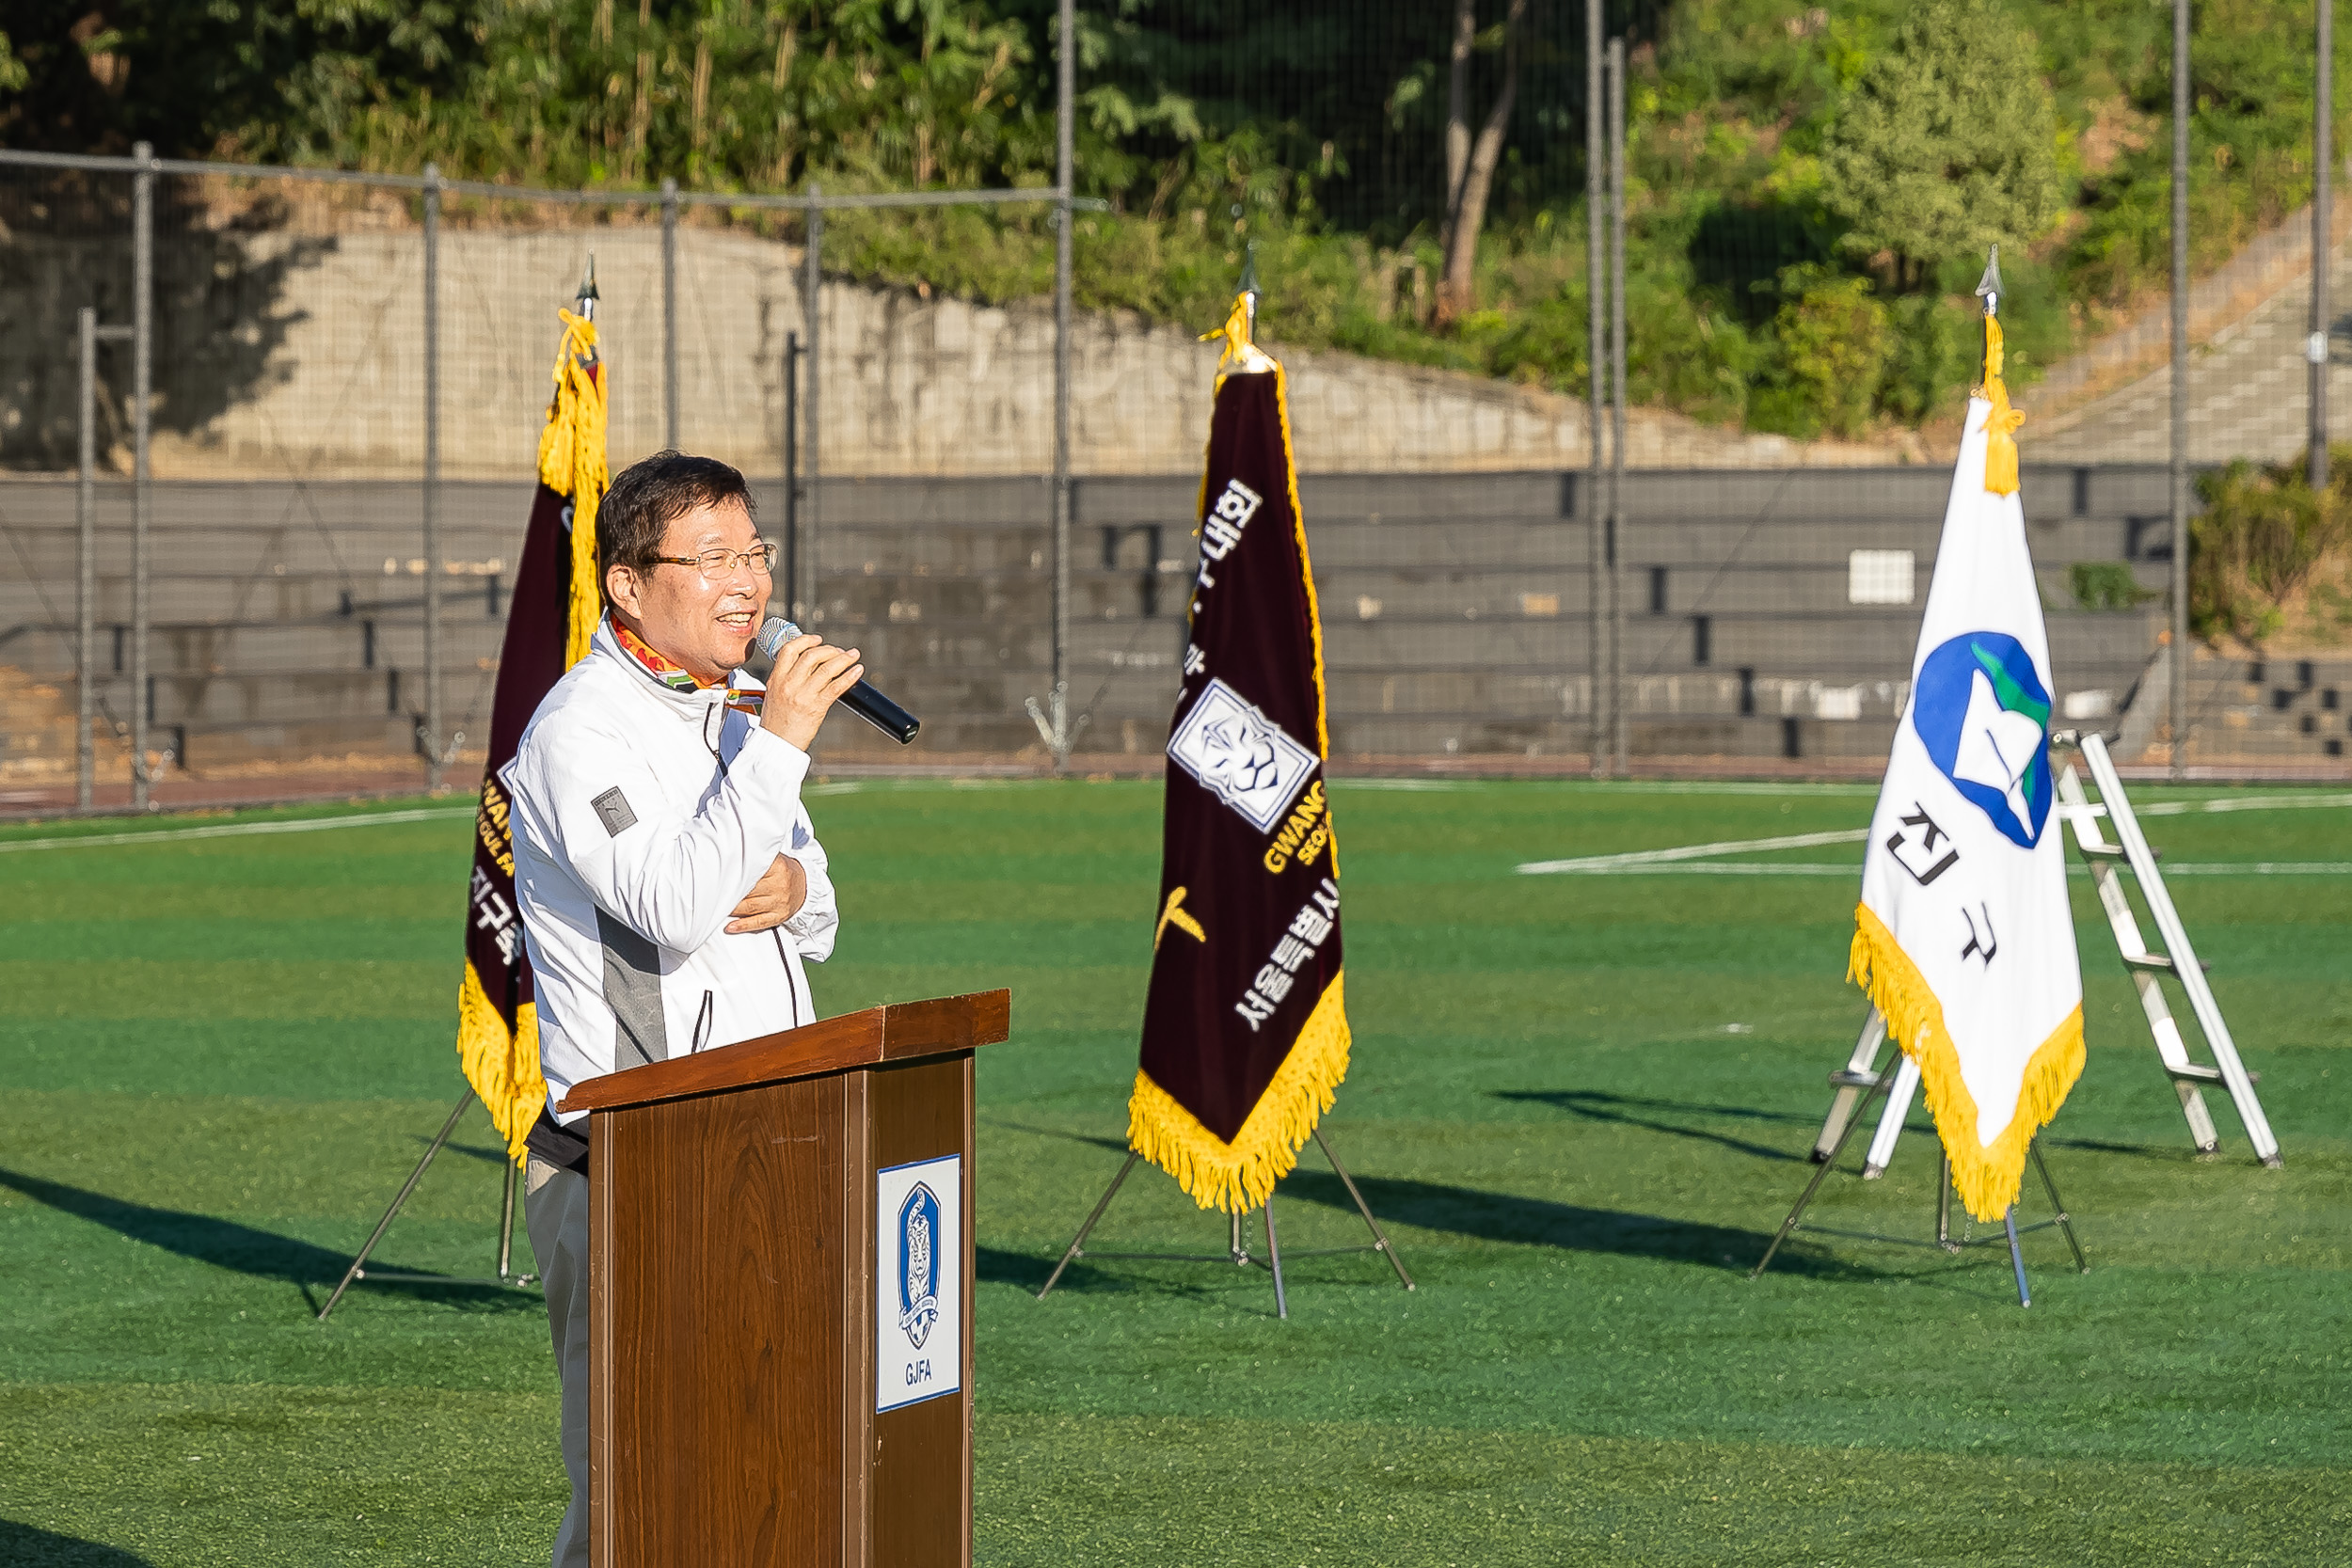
651,494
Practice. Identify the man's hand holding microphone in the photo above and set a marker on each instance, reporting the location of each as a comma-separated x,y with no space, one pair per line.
808,678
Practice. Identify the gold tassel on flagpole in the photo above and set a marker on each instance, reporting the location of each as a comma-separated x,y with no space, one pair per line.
2000,425
572,462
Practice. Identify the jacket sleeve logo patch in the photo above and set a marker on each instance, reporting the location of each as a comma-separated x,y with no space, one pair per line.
614,811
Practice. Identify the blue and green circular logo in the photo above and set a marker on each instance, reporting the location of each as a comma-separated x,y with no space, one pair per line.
1984,715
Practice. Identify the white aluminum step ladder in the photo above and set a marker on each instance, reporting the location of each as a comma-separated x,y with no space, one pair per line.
2144,963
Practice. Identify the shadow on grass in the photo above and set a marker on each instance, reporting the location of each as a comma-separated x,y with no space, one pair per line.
1467,1212
24,1546
1595,1105
2182,1154
471,1151
1117,1146
226,1245
996,1266
1571,1228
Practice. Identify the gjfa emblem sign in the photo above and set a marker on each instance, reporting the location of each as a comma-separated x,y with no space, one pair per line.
918,1288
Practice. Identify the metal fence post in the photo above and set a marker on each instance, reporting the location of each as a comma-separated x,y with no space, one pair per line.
812,303
1065,111
1618,723
142,498
2323,235
431,737
669,314
2179,693
1595,291
792,476
86,596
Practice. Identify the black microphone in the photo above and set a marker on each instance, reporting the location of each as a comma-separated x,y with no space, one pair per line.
861,699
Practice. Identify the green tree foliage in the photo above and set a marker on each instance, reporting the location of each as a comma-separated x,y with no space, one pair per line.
2265,540
724,96
2105,585
275,78
1832,349
1775,149
1945,143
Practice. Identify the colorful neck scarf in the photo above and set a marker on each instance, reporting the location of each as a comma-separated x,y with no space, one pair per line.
669,674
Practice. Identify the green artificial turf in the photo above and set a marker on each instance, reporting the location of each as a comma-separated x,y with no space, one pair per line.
1580,1104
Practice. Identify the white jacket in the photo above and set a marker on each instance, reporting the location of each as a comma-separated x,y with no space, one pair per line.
642,816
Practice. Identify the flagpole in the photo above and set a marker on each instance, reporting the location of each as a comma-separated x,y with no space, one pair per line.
1989,290
588,296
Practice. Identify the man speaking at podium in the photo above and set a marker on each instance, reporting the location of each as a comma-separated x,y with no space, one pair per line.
670,880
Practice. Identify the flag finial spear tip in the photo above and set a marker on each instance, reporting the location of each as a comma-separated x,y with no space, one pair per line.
1989,286
1250,289
588,278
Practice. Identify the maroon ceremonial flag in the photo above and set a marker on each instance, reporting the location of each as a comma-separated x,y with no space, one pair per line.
552,611
1245,1032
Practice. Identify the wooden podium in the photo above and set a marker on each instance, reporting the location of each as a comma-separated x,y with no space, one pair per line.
780,1307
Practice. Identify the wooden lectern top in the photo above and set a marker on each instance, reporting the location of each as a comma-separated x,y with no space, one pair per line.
895,1031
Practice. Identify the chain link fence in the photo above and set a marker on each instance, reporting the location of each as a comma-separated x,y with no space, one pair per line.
335,509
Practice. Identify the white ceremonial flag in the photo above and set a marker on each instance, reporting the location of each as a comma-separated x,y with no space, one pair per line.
1964,938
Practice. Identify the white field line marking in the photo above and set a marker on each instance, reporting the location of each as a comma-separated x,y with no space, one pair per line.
242,829
1852,871
1636,858
1624,787
1728,786
2249,803
2253,868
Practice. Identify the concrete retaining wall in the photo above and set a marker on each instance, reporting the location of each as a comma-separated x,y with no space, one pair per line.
282,355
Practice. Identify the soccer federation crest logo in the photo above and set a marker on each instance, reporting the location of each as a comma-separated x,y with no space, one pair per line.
1983,713
918,1264
1241,756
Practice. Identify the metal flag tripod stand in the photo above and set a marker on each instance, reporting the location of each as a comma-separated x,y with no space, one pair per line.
1944,1240
506,1275
1236,1251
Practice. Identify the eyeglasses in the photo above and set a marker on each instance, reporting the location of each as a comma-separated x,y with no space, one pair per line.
718,565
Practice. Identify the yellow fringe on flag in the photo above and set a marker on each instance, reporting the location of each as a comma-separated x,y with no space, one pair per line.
572,462
2000,426
1240,1175
1986,1178
502,1068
